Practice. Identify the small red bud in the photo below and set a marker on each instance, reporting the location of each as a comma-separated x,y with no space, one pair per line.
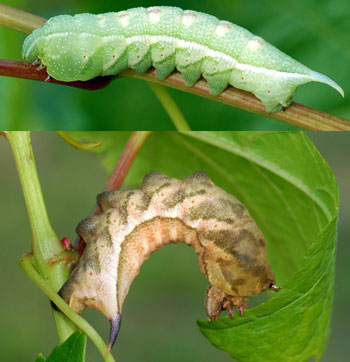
67,244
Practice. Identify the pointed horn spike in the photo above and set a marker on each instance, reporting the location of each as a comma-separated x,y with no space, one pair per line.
319,77
115,326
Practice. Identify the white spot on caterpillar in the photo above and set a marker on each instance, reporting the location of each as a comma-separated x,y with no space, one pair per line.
255,43
154,15
124,18
222,29
188,18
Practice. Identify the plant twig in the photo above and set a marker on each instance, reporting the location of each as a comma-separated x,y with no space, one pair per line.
296,114
170,106
25,70
46,245
45,242
19,20
116,179
126,159
26,263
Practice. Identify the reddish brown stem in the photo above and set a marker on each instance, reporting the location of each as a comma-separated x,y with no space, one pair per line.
117,177
26,70
126,159
296,114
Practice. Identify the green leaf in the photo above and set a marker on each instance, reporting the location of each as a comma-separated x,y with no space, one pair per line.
72,350
292,194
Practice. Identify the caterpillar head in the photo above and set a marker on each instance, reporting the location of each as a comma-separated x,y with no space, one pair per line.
30,51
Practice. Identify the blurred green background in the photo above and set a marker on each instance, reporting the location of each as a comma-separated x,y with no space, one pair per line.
167,296
315,32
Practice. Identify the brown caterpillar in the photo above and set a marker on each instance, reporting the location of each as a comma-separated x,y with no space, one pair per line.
132,224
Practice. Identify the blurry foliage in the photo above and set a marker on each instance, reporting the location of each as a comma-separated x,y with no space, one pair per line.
313,32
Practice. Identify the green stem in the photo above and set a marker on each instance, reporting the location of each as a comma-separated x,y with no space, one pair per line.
46,245
28,266
45,242
170,106
19,20
77,144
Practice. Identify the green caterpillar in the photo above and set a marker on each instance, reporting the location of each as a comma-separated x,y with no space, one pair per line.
85,46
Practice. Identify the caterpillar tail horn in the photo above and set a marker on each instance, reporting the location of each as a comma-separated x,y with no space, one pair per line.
115,326
319,77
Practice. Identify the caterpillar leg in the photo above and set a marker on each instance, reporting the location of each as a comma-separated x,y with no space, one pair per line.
41,66
217,301
191,73
217,82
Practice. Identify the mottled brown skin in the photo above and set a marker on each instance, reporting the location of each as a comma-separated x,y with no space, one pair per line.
132,224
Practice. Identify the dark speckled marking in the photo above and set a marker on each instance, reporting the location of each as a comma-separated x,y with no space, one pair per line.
242,258
248,264
261,243
106,233
224,262
258,270
206,184
238,282
200,176
230,279
124,208
92,261
236,207
261,272
148,196
226,239
234,283
207,211
176,198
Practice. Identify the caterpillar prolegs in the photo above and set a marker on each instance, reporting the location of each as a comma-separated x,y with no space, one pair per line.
132,224
85,46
